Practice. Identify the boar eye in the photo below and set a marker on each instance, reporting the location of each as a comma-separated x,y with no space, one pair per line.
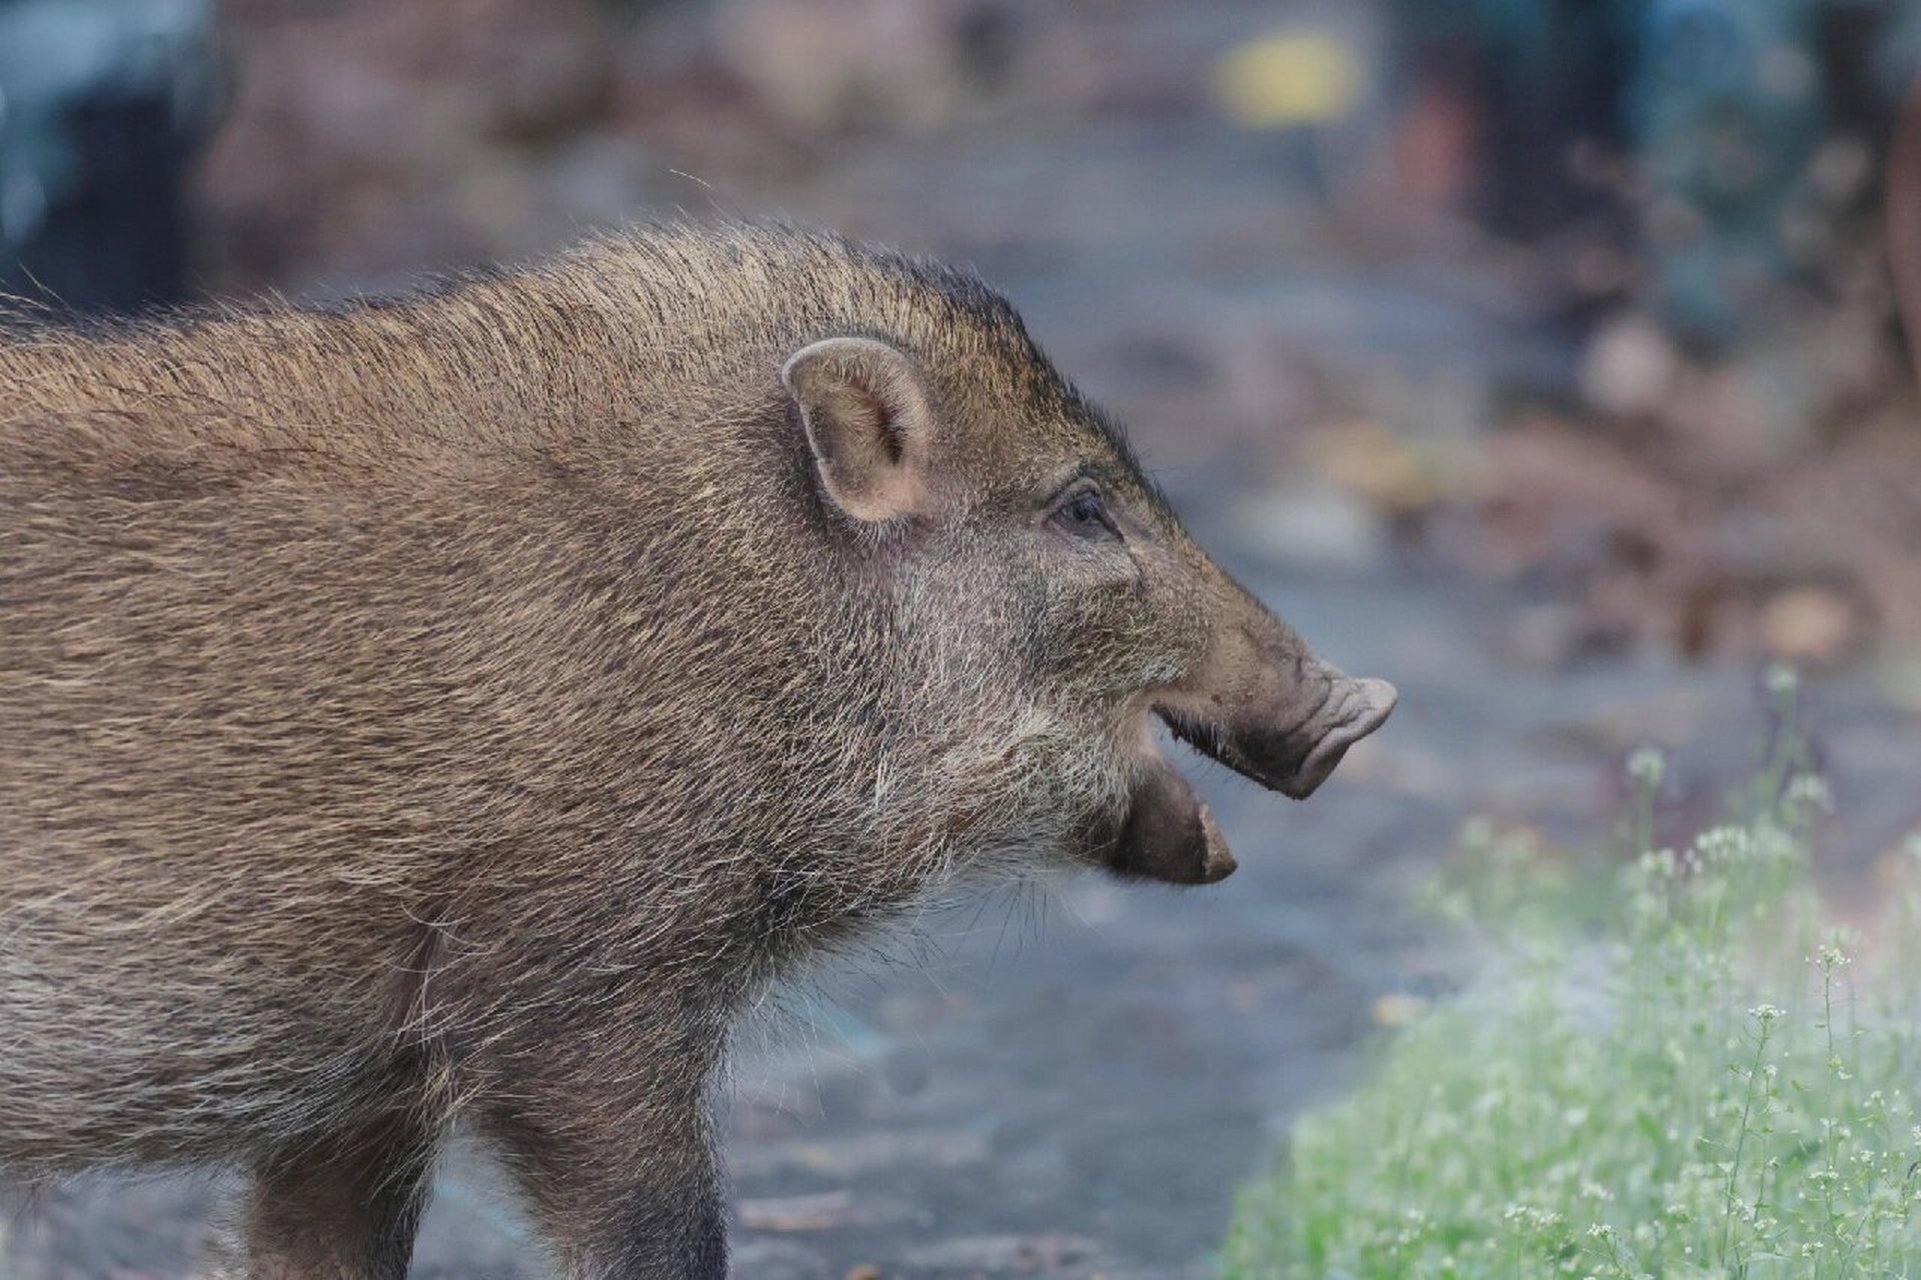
1084,515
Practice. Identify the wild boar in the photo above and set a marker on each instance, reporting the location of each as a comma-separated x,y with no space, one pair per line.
455,710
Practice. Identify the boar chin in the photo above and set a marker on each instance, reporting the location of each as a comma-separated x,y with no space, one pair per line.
1168,834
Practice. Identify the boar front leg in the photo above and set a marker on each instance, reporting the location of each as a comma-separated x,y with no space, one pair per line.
617,1159
345,1207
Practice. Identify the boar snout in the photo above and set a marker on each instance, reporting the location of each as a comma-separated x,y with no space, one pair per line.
1262,704
1291,745
1362,706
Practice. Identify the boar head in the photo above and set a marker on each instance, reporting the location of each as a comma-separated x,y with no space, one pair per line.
1027,522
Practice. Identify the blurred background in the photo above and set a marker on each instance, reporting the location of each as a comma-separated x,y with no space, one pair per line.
1543,356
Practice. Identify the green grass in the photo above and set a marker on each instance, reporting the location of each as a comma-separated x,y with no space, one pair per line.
1673,1068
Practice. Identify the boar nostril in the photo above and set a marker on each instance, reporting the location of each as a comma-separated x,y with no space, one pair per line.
1379,697
1369,703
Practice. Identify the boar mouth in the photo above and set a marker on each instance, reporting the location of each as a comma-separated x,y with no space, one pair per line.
1168,834
1297,759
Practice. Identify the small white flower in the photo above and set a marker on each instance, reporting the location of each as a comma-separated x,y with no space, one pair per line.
1782,679
1659,863
1646,765
1721,845
1810,791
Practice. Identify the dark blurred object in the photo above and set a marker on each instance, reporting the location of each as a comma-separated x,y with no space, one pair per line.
1903,218
1727,144
1544,74
1728,105
102,104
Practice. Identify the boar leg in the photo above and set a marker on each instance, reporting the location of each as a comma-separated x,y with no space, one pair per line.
619,1168
345,1207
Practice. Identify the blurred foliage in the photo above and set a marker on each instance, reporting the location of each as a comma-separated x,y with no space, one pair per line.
1686,1074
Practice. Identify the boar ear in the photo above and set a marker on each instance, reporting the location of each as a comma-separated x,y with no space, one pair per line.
868,421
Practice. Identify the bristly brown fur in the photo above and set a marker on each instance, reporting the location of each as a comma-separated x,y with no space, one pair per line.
455,710
348,773
676,306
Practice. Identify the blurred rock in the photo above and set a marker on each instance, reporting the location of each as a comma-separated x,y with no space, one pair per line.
1629,366
1811,626
821,1212
931,1148
1000,1254
1319,528
773,1259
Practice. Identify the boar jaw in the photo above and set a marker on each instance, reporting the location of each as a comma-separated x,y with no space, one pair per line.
1168,833
1293,759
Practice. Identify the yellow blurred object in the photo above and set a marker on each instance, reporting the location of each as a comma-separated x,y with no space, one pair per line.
1397,1009
1292,78
1369,460
1810,625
